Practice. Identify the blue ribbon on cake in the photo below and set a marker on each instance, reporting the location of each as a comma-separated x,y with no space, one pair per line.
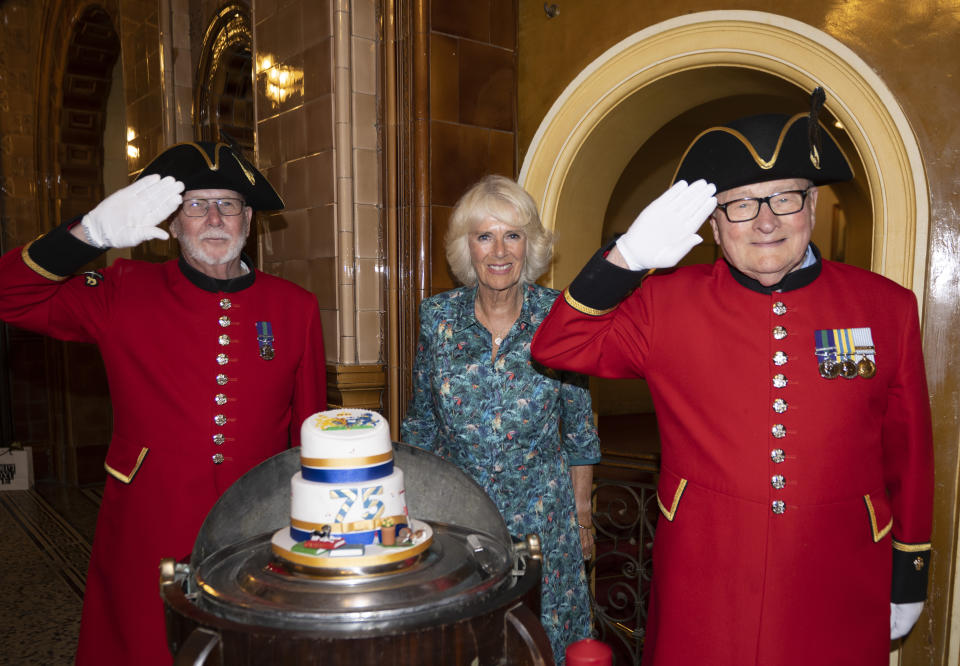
347,475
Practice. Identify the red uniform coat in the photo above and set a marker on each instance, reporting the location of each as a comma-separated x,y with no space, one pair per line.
735,581
161,329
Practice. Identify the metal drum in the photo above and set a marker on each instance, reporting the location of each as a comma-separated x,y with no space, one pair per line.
472,598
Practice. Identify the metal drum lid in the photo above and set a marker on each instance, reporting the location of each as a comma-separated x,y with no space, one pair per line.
437,491
246,583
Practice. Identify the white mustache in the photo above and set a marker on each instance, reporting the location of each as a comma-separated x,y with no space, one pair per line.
214,235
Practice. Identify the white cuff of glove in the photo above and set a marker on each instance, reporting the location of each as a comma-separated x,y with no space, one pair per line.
903,617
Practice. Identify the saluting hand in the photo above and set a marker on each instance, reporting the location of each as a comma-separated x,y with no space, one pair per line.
665,231
130,215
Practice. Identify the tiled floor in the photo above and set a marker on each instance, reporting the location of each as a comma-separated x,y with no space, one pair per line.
45,537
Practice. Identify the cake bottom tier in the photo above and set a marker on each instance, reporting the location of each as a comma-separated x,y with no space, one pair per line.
334,554
354,511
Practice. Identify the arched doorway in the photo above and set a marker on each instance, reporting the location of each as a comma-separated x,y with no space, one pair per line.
223,106
71,430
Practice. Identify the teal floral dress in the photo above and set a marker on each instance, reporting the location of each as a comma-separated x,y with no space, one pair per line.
516,428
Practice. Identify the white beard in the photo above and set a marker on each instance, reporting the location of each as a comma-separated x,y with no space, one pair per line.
196,252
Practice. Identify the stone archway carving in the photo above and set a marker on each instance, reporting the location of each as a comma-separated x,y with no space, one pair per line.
223,98
562,168
223,102
71,107
74,79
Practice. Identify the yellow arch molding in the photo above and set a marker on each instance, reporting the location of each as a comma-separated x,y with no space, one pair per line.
602,98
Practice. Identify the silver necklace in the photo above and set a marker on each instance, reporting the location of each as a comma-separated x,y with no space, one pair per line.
497,336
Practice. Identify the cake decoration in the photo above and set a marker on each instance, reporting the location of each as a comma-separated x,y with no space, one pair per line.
348,503
343,420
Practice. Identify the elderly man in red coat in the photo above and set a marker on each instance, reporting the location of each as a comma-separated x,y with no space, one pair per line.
797,462
212,367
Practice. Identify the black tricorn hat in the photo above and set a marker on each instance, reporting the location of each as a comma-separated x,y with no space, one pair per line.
766,147
204,165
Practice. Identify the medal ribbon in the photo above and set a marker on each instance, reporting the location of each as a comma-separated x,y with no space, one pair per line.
844,339
826,345
862,342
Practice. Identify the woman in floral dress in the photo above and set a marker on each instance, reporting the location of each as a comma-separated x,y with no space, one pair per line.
522,431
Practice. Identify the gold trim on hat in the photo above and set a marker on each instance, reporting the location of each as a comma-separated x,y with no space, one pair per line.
815,157
212,165
246,171
762,163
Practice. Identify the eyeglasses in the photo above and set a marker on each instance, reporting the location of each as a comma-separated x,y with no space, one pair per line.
781,203
199,207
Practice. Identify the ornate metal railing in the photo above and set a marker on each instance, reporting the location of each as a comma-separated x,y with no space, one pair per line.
625,514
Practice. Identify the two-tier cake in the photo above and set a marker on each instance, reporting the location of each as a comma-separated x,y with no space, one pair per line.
347,502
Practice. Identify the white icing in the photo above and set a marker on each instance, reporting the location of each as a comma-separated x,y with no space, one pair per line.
325,504
364,434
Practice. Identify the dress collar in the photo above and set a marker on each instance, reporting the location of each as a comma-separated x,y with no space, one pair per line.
809,271
215,285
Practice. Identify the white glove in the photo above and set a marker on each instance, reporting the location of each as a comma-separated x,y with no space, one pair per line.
903,617
665,230
130,215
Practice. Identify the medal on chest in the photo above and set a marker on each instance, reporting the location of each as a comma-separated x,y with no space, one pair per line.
265,340
845,352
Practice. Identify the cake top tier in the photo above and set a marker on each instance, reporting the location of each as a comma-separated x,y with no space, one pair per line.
339,434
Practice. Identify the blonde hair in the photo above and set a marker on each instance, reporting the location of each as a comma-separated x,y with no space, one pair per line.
505,201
